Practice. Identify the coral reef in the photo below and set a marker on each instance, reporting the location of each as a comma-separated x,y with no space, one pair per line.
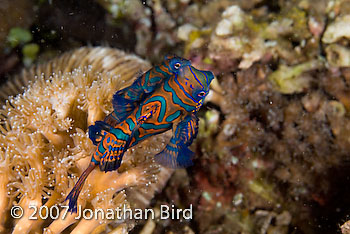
271,137
44,144
278,139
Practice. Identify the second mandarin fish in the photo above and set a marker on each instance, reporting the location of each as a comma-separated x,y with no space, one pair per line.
168,96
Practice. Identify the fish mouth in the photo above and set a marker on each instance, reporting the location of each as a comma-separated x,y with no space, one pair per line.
198,106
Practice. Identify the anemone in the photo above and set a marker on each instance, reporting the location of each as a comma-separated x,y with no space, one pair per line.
45,145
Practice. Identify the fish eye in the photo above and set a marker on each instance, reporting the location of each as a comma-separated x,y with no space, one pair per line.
177,65
201,94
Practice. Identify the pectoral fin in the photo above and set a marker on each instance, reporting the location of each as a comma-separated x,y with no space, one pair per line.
176,153
187,130
175,156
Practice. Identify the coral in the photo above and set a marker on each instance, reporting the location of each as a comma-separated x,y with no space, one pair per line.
345,228
45,147
240,38
289,80
153,24
233,20
338,29
338,56
277,120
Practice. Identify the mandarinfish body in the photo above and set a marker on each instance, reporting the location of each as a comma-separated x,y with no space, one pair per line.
166,97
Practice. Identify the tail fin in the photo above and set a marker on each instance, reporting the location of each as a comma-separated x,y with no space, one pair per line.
175,156
96,131
74,194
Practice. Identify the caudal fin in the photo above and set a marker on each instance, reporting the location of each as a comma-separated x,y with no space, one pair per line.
74,194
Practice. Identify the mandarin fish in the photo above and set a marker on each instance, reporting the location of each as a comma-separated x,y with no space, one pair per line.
168,96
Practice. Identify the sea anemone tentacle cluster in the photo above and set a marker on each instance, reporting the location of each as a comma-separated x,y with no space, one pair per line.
45,145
